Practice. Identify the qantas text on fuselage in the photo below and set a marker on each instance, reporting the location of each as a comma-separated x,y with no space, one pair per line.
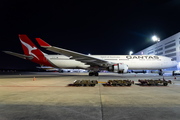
142,57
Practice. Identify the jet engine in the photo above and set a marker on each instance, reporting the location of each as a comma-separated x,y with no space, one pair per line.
118,68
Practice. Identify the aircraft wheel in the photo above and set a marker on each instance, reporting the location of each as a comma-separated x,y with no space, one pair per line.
149,84
160,74
165,84
91,74
96,74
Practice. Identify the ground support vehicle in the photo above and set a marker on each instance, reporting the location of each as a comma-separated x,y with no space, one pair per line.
154,82
84,83
119,83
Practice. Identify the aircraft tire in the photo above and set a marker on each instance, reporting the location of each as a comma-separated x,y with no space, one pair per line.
91,74
160,74
96,74
165,84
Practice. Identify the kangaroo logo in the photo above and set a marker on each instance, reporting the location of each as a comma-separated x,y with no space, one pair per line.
29,48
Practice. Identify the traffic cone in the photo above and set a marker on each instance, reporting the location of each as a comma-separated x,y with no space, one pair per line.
163,78
34,79
174,77
135,75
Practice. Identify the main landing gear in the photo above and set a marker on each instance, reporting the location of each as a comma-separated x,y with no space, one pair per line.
93,73
161,72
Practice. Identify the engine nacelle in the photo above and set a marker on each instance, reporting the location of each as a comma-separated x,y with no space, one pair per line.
118,68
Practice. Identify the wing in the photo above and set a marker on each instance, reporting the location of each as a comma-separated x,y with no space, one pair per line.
88,60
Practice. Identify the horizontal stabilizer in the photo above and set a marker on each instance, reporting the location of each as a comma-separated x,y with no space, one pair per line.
42,43
18,55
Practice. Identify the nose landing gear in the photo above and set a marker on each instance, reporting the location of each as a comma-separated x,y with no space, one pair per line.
161,72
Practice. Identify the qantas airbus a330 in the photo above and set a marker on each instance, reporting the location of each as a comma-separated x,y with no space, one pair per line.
74,60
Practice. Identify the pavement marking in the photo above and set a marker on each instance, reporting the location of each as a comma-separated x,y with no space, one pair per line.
15,83
101,82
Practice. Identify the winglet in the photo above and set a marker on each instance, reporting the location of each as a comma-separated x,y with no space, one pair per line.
42,43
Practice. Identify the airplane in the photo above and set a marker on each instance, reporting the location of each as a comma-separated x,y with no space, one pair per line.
94,63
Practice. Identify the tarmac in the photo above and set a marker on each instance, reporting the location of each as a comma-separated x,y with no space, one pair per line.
49,97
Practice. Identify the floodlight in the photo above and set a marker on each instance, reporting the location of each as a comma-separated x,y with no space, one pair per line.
131,52
155,38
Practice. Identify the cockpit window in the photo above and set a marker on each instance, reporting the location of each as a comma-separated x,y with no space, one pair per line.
172,59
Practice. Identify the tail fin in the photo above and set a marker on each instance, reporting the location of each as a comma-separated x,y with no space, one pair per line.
28,47
31,50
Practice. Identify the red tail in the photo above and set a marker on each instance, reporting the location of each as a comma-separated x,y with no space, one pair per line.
31,50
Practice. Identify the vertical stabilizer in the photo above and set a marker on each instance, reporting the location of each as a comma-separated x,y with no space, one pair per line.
29,47
31,50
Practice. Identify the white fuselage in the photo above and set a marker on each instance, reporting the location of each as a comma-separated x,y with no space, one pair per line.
134,62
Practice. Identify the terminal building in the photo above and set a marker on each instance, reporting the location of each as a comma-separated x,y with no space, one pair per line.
169,47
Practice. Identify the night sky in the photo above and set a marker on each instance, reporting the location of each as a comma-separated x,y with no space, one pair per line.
96,27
